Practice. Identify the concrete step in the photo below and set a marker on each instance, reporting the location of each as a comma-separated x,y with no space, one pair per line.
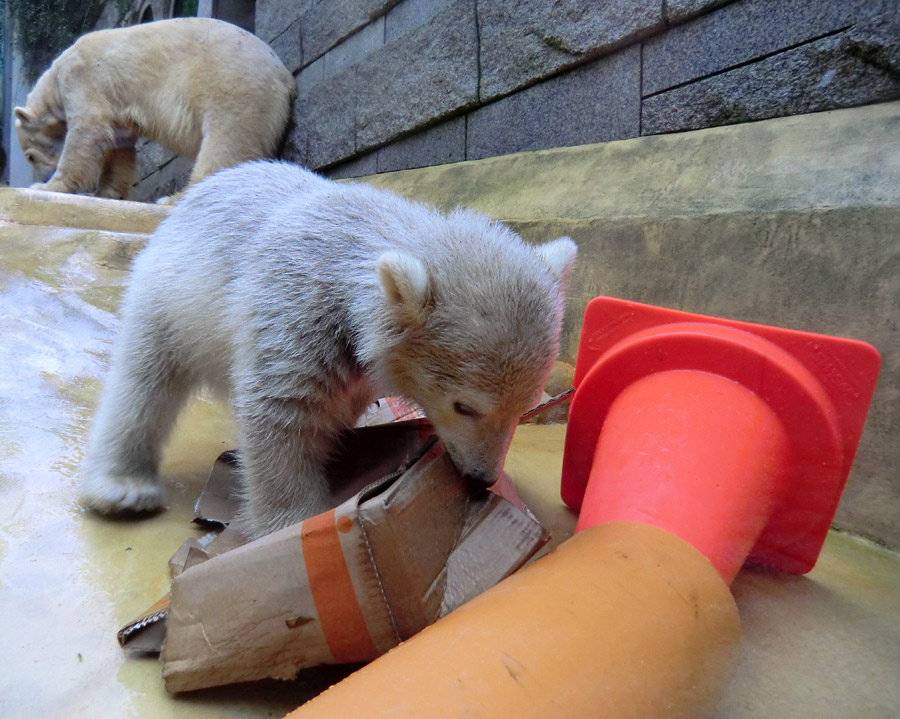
54,209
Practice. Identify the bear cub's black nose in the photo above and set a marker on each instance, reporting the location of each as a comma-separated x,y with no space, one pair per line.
481,478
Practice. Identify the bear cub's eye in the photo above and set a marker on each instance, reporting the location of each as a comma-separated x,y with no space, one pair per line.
464,409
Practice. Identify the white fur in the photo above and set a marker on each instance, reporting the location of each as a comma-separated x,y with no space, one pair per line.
404,281
301,299
559,256
203,88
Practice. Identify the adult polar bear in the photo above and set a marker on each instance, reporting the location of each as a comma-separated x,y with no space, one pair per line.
203,88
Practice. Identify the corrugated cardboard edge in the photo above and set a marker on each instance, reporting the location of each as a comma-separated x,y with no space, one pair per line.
502,525
147,633
218,500
408,567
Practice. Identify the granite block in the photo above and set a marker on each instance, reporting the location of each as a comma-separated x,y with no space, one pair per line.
430,74
325,24
150,157
594,103
358,167
325,131
876,43
274,16
437,145
353,49
522,42
311,75
289,47
295,147
408,15
167,180
680,10
841,70
743,31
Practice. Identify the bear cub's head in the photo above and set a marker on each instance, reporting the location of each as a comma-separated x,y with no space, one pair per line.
41,137
476,330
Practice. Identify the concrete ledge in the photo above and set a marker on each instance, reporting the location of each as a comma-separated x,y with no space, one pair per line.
842,158
56,209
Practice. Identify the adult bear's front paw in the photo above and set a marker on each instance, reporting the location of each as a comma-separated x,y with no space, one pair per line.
53,185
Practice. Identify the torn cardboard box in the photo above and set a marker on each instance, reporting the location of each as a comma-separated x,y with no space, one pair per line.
346,585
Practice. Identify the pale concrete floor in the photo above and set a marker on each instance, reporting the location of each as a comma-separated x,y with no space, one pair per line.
823,646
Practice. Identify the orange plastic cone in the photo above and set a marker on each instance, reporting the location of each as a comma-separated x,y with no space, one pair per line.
736,437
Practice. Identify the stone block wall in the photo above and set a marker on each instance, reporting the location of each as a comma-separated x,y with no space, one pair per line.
385,85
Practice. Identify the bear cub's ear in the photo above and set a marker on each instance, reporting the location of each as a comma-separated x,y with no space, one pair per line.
559,256
406,286
24,115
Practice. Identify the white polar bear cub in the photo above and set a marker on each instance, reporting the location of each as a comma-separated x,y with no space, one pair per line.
301,300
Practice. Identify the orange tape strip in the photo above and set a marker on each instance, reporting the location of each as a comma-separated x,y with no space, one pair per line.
332,589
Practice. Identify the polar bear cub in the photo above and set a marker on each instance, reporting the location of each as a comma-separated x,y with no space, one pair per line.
203,88
301,300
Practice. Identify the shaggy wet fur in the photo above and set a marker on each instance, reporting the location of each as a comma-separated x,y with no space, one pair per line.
301,300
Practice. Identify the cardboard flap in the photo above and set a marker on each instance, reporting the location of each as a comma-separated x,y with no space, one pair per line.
186,554
219,499
498,539
369,454
411,529
308,594
245,614
437,545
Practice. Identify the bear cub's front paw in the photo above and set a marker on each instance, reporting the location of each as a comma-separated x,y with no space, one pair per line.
122,495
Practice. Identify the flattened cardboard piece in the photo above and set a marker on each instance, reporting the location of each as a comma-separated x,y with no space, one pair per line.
409,547
223,630
344,586
429,568
184,555
514,536
422,580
